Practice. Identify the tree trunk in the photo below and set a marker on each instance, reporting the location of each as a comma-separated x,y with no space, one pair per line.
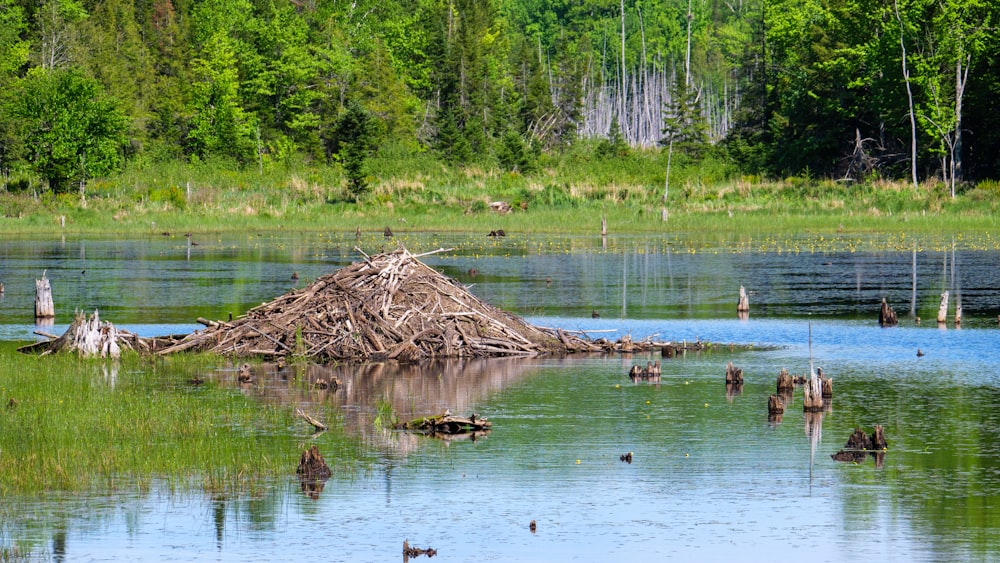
44,309
909,95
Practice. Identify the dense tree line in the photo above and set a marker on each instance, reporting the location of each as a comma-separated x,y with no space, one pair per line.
902,89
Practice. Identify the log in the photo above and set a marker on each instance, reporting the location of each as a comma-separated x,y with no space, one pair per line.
942,315
318,425
44,309
886,315
447,424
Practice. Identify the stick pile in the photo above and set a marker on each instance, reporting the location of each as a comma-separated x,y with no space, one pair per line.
389,306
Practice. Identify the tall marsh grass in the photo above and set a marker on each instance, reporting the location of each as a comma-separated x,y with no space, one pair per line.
71,424
568,193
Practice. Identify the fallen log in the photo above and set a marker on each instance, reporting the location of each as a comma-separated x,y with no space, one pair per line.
447,424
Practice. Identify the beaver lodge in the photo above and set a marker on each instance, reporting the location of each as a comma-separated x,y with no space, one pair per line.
390,306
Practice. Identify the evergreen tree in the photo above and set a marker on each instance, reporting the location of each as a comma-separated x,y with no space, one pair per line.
684,127
355,141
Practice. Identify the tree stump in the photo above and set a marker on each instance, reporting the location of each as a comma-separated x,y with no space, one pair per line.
312,465
942,315
734,375
886,315
743,304
44,309
785,382
775,405
813,396
827,387
878,439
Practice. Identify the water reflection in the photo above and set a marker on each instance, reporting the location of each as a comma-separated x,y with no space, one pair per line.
707,464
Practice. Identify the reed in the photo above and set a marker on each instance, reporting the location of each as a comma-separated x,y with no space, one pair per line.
70,424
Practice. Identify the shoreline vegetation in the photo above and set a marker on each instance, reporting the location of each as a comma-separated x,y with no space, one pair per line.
569,194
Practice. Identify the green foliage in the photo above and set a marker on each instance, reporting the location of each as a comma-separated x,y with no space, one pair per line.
614,144
354,142
515,154
64,126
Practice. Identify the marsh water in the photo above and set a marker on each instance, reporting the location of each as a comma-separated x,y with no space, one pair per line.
711,478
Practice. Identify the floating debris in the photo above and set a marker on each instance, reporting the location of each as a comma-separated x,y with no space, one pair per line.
448,424
409,551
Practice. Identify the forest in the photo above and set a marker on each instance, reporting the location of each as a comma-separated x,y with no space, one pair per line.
902,90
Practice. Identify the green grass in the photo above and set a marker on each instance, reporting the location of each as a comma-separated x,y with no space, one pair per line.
569,194
73,425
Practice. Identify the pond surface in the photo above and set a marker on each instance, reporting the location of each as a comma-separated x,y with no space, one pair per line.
711,478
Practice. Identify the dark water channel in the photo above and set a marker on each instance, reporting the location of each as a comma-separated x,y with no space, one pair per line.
711,478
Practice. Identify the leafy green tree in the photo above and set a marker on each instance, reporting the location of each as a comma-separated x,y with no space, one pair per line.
220,126
13,46
68,129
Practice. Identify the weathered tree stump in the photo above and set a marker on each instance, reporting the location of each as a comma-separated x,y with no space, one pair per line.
668,351
649,373
958,314
409,551
44,309
785,382
743,304
734,375
886,315
860,445
878,439
827,388
942,315
626,344
775,405
312,465
812,400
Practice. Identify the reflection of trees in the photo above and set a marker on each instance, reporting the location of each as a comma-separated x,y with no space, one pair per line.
412,390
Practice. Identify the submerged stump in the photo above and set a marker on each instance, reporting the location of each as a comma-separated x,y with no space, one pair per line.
734,375
887,315
785,382
312,465
860,445
775,405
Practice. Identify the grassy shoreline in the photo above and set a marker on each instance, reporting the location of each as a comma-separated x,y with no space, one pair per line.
567,196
